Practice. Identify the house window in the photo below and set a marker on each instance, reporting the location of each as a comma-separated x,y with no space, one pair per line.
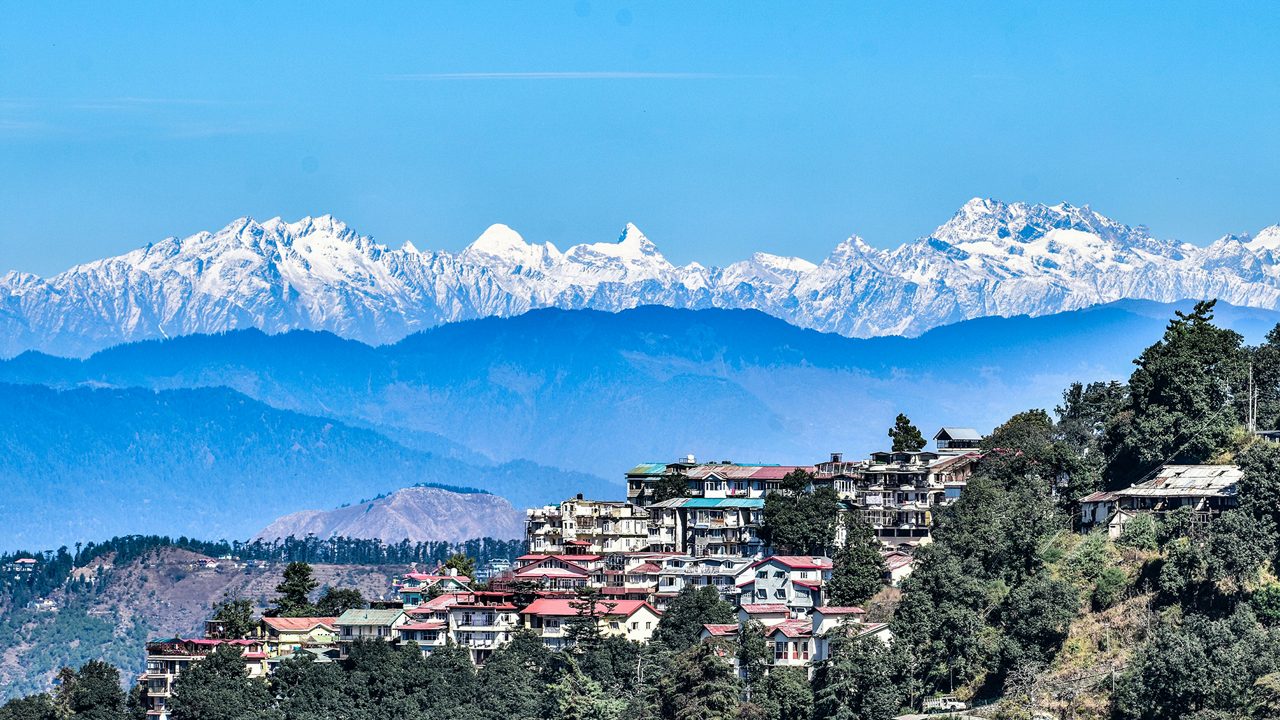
762,593
780,593
779,574
780,650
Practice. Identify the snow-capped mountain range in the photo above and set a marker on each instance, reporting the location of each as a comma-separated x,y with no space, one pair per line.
990,258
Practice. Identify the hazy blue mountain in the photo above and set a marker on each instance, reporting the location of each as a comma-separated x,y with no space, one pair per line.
596,392
91,463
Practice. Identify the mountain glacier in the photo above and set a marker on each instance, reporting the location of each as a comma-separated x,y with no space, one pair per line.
990,258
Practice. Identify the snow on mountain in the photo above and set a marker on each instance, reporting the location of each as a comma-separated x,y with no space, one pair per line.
990,258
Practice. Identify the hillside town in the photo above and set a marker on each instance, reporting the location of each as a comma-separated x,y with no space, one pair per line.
686,526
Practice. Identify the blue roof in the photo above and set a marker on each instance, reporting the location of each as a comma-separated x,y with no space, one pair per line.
648,469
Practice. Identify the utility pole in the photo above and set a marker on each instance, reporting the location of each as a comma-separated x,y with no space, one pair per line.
1252,412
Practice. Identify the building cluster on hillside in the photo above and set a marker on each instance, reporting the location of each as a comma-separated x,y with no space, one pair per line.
636,556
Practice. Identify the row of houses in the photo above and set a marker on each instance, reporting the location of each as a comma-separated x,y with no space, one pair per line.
722,508
541,593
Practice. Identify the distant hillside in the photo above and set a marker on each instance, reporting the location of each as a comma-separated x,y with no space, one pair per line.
210,462
418,514
596,392
158,596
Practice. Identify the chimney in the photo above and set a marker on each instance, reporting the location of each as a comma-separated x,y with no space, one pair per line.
837,457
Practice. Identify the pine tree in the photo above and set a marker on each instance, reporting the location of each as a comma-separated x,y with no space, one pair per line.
858,567
681,625
235,616
906,437
854,682
295,592
702,685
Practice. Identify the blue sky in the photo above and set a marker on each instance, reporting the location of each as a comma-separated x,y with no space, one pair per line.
719,129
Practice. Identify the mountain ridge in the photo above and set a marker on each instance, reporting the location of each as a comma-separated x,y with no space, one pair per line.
989,259
416,514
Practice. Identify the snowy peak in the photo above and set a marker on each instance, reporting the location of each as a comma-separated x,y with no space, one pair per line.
989,258
500,242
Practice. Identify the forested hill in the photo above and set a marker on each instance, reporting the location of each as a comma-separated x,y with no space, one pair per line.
597,392
208,462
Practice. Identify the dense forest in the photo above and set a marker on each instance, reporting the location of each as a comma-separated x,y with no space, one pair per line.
1009,605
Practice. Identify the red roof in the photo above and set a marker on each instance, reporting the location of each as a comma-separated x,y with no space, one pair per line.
579,543
765,608
645,568
839,610
298,624
791,628
798,562
442,602
563,607
721,630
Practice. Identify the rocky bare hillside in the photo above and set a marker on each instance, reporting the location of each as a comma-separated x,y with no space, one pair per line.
418,514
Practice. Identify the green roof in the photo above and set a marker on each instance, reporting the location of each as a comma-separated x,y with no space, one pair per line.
648,469
362,616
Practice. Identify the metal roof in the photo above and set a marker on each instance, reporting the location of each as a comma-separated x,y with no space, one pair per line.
648,469
959,433
1188,481
363,616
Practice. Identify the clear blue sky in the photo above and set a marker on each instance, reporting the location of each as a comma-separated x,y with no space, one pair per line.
719,128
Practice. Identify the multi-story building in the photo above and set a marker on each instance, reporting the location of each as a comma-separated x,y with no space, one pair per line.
680,571
285,636
800,641
483,624
168,659
792,580
550,618
707,526
414,587
593,526
897,492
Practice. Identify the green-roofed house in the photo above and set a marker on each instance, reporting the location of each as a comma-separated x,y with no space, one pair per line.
368,624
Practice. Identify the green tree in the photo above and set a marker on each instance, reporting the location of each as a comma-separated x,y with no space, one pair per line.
906,437
590,609
463,564
1168,677
295,592
310,690
1239,546
754,654
1140,533
702,685
858,568
236,616
92,692
1035,617
335,601
670,486
31,707
449,680
219,688
511,685
800,519
574,696
854,682
681,625
786,694
1264,696
1183,399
